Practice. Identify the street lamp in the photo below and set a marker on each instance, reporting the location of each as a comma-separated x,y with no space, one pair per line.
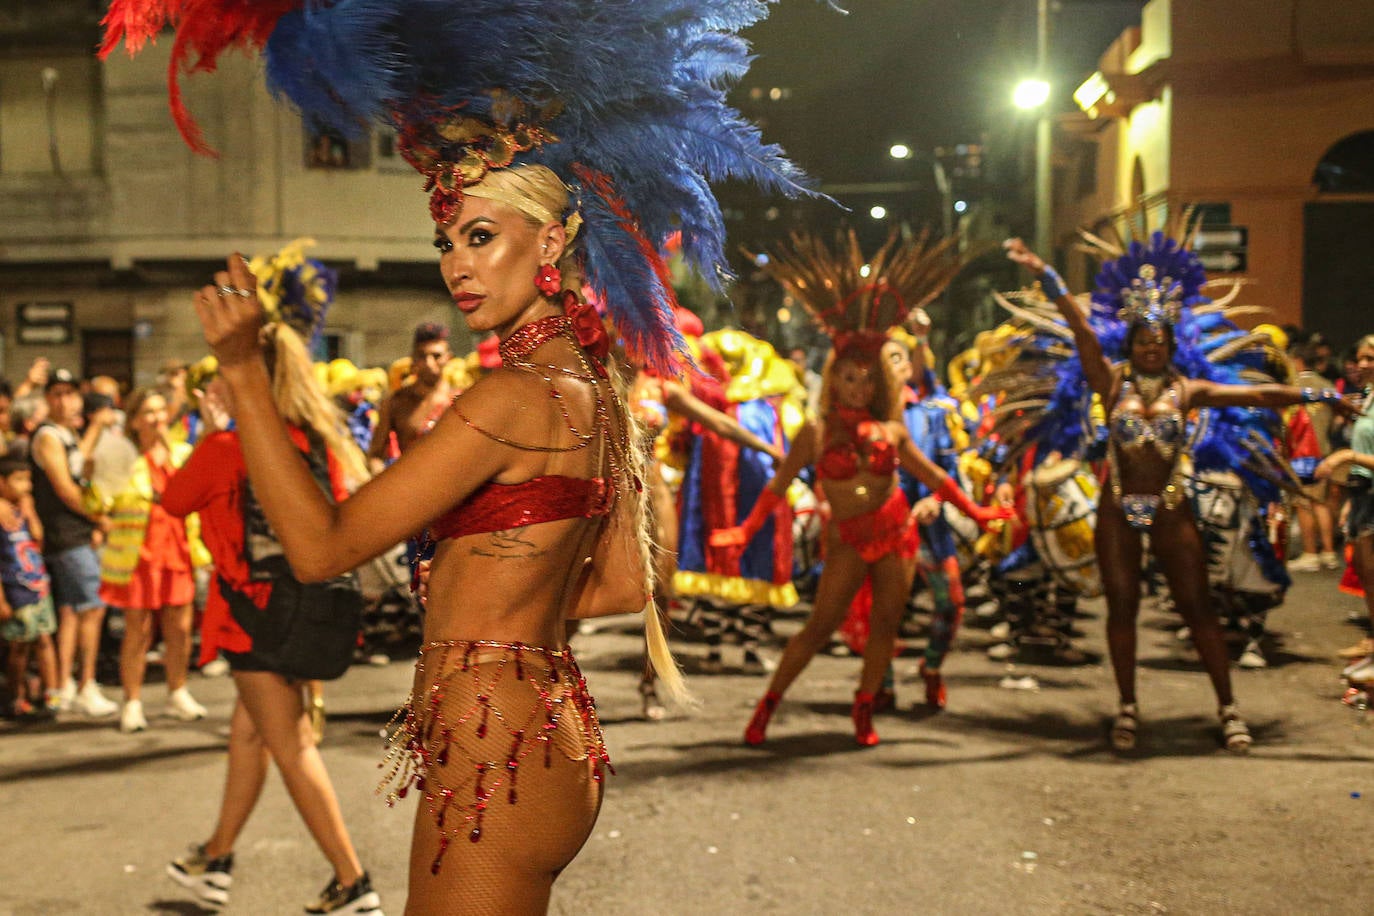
1033,94
900,151
1030,94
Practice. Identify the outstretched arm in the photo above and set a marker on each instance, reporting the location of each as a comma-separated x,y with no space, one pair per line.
802,454
945,487
1340,458
1096,368
678,399
1202,393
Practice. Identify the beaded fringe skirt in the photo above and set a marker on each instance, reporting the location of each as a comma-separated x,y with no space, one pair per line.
478,712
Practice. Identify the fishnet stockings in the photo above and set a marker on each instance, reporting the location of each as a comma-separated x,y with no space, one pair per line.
500,813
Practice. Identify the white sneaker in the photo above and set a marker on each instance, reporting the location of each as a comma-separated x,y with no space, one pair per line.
1308,562
1252,658
1329,560
1000,631
216,667
90,701
65,695
132,720
1361,675
1001,652
181,705
988,608
1357,665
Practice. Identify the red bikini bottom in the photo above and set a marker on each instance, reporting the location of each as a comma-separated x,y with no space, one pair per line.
887,529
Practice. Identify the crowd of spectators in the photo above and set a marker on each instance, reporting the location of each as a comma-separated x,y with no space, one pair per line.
80,481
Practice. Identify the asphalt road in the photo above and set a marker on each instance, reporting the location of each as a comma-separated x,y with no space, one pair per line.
1008,802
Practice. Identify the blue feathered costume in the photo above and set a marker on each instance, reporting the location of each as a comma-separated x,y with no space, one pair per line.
1049,404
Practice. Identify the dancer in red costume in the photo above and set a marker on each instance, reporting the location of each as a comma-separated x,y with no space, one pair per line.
542,172
856,447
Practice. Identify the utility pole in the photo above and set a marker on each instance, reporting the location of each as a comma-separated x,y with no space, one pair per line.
1043,174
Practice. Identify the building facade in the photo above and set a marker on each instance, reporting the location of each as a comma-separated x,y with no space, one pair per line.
1260,113
110,222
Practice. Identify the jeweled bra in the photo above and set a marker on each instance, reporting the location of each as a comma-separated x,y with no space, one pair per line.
1131,430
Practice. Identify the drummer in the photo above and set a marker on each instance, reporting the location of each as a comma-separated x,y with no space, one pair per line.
1051,563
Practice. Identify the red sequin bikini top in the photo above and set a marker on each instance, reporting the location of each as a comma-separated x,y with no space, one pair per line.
498,506
842,460
547,498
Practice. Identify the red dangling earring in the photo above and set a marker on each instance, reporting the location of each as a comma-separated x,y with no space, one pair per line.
549,280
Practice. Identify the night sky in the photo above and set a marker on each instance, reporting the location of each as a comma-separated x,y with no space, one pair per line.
922,72
925,73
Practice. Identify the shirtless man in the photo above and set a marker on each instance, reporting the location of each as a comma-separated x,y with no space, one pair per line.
410,410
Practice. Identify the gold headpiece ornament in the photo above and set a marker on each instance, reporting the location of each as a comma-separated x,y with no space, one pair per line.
1149,301
456,149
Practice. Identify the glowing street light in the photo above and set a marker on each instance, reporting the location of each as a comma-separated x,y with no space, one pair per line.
960,206
1030,94
900,151
878,212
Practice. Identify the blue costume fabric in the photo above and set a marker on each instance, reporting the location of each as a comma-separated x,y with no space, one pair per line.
764,573
21,567
927,421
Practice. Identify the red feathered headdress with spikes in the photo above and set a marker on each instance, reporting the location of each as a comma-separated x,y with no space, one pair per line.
854,299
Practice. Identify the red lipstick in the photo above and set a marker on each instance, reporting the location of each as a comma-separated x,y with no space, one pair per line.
467,302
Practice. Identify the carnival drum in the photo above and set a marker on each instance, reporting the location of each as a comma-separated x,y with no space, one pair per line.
1228,514
1061,506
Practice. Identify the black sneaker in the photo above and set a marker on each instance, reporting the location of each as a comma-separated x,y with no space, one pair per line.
208,879
358,899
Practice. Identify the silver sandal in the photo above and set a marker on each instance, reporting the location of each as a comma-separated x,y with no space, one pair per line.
1235,734
1125,727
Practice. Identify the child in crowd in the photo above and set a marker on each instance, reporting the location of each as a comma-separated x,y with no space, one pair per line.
27,620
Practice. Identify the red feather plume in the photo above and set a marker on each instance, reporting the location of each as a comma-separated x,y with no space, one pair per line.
204,30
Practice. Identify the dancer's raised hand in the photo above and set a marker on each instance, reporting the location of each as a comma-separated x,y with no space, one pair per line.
231,316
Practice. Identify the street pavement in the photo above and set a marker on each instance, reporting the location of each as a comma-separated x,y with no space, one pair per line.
1008,802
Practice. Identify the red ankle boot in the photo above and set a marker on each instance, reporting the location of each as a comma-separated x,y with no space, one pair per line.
935,688
863,719
754,734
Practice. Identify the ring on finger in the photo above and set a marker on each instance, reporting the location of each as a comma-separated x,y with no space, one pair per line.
225,290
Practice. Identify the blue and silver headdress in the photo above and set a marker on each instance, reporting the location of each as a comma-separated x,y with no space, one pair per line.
623,100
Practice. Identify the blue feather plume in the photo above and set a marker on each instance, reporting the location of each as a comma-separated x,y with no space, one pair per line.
641,87
633,90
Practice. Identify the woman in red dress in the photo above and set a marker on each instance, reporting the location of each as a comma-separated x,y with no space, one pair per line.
146,567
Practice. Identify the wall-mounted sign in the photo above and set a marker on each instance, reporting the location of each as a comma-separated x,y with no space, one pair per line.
1222,249
44,323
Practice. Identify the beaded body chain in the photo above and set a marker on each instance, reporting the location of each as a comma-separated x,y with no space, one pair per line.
479,708
515,352
477,711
